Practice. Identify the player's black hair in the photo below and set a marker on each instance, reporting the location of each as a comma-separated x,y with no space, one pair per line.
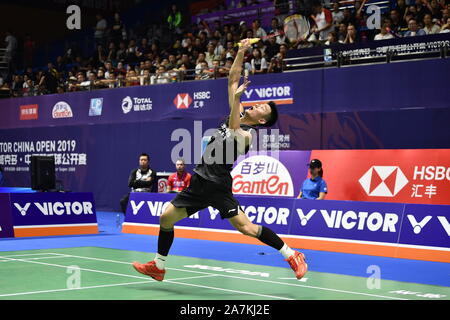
145,155
273,116
321,172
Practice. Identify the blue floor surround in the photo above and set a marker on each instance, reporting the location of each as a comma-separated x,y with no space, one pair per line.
110,236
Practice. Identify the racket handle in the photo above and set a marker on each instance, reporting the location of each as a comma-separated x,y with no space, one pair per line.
252,41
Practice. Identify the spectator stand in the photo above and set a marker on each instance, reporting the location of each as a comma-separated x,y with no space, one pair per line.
385,51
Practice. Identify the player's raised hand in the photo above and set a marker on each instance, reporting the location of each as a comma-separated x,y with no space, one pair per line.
245,44
242,87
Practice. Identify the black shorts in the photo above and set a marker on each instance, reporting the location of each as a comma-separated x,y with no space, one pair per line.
203,193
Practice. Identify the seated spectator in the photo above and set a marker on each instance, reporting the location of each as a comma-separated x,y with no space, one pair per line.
145,78
17,86
276,64
143,49
131,52
429,26
108,69
384,34
28,87
92,80
258,63
272,47
218,48
331,38
121,69
349,17
179,180
225,69
200,60
210,55
60,89
446,27
342,33
398,25
132,78
413,29
204,72
352,36
141,179
161,75
172,62
258,31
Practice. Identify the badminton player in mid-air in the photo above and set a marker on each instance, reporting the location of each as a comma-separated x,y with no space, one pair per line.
211,184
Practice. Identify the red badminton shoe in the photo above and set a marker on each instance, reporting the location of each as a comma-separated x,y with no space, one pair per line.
150,269
298,264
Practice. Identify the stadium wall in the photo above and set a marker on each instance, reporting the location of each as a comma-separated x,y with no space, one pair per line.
97,135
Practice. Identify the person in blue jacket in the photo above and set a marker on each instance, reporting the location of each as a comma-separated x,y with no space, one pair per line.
314,187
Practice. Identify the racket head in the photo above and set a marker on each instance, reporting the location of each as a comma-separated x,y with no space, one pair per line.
297,26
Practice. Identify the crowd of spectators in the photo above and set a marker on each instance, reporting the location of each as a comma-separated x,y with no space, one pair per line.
203,51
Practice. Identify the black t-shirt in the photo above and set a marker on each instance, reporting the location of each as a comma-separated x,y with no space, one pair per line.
220,154
272,50
50,82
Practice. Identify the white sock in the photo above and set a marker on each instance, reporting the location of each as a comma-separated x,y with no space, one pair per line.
286,251
160,261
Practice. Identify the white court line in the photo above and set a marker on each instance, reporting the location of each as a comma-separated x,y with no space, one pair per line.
32,254
38,258
93,287
169,281
84,269
126,275
253,279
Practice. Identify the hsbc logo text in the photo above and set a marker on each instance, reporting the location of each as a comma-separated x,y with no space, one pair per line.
383,181
199,99
58,208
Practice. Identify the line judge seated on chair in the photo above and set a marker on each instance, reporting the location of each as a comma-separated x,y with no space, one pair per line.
141,179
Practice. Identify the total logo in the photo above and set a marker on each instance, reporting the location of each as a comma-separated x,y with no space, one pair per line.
383,181
136,104
184,100
57,208
62,110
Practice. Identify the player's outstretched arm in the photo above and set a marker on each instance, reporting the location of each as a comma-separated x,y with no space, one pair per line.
233,83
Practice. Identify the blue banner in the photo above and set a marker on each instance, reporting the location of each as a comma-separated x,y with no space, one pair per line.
315,91
410,225
52,208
